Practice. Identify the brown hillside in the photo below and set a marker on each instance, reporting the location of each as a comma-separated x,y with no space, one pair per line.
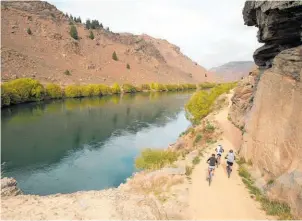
50,50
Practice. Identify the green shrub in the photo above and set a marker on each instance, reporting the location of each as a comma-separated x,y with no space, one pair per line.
145,87
21,90
241,161
209,127
157,87
54,91
200,104
196,160
270,182
244,173
189,170
128,88
155,159
206,85
67,72
73,32
114,56
73,91
116,88
197,139
128,66
189,130
29,31
91,35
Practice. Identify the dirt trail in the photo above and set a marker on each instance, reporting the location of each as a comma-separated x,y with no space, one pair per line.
226,198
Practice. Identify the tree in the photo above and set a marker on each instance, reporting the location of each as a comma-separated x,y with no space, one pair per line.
101,25
74,32
91,35
88,24
79,20
75,19
128,66
107,29
71,17
95,24
114,56
66,15
29,31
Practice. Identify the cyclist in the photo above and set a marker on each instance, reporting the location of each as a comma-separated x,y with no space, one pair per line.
219,151
230,158
212,161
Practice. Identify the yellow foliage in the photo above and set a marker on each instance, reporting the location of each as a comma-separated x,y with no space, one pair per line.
116,88
54,91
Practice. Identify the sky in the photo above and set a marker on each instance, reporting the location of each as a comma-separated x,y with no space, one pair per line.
209,32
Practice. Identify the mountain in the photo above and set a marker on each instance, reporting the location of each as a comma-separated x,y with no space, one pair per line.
233,71
49,51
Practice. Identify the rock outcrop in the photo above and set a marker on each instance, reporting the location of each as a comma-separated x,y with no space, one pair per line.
272,140
279,24
242,100
9,187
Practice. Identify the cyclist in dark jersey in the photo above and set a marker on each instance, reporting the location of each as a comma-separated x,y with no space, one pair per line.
212,161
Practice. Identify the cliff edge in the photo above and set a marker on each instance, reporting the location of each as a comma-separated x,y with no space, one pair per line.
268,109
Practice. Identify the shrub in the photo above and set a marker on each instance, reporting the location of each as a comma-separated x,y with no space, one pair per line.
209,127
157,87
155,159
114,56
87,90
196,160
67,72
128,88
91,35
145,87
128,66
200,104
73,32
206,85
197,139
54,91
88,24
73,91
241,161
189,170
116,88
21,90
29,31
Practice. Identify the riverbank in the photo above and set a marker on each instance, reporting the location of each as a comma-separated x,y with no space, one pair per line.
160,194
30,90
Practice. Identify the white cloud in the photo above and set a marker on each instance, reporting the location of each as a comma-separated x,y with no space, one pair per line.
210,32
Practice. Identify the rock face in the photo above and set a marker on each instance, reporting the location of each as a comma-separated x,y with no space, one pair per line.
279,24
242,100
9,187
273,124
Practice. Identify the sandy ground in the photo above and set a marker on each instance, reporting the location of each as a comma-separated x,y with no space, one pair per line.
226,198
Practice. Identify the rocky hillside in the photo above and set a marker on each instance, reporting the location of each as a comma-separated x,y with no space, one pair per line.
233,71
49,50
267,106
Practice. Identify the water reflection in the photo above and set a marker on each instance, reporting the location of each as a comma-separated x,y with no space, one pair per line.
89,143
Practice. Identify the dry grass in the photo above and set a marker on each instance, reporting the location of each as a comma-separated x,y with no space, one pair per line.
157,183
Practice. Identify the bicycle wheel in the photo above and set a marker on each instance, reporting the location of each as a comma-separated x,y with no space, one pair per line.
229,171
210,178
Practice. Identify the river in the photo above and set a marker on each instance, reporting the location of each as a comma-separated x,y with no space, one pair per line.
63,146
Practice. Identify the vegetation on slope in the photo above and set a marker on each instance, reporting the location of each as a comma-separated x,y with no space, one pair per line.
200,104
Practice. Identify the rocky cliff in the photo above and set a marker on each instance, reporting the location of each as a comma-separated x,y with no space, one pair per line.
272,140
279,24
49,50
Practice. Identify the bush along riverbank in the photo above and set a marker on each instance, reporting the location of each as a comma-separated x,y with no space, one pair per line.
29,90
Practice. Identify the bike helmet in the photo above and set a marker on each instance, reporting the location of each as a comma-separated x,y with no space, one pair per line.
231,151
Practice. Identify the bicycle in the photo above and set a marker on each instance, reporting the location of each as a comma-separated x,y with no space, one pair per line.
218,160
229,170
210,175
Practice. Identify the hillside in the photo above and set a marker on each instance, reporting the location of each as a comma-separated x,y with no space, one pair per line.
233,71
49,51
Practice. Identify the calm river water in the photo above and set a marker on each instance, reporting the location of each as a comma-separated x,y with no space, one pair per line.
64,146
